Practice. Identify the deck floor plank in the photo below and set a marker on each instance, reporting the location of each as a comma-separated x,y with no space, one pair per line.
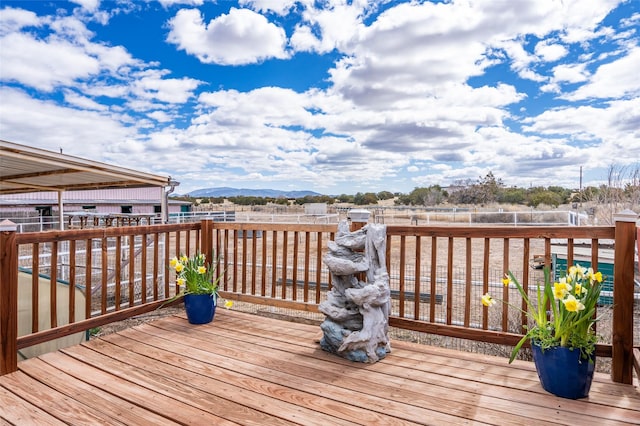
525,392
281,371
84,393
174,390
205,373
142,393
23,412
254,370
54,403
355,377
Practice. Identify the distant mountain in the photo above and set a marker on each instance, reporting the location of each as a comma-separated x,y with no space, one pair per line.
244,192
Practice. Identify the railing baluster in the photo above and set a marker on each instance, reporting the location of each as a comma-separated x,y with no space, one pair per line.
178,244
72,281
165,265
285,251
570,252
35,287
104,275
274,262
485,280
525,281
118,273
417,292
263,275
467,291
244,259
450,242
433,278
402,266
88,274
505,289
53,284
143,267
132,271
294,272
307,265
254,260
319,236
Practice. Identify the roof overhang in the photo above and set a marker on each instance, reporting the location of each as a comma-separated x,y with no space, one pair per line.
25,169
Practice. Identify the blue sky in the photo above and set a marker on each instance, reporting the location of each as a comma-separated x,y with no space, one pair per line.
330,96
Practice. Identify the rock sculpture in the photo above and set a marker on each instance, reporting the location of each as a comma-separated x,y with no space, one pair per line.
357,312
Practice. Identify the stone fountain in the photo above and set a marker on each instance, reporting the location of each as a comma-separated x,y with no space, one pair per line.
357,307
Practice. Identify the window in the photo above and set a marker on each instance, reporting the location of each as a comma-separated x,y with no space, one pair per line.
126,209
44,210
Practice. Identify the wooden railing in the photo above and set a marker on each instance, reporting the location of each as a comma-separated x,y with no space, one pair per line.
438,274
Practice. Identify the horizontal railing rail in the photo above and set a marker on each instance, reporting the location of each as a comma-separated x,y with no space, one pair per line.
438,275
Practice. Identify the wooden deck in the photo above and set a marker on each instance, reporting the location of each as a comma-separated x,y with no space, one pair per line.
251,370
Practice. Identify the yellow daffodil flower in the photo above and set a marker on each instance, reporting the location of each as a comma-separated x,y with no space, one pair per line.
487,300
194,276
579,289
228,304
563,312
560,289
572,304
594,276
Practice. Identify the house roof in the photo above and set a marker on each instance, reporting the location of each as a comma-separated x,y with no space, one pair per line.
25,169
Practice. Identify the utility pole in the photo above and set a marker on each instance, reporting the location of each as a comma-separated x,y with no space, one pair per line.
580,186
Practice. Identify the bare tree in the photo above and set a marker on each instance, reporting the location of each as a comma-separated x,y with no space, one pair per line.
622,191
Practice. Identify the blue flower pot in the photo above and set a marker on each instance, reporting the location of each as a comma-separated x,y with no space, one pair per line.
200,308
563,372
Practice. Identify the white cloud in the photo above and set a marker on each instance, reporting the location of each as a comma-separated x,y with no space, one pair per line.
280,7
169,3
160,116
597,136
616,79
422,94
79,132
150,85
549,51
239,37
570,73
333,26
83,102
12,20
44,65
89,5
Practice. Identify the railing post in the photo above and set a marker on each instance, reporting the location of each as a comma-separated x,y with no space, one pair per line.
8,298
623,274
206,239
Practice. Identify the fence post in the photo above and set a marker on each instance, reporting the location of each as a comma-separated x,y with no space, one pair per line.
8,298
623,275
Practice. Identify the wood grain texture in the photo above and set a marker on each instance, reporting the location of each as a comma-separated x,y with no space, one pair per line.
247,369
